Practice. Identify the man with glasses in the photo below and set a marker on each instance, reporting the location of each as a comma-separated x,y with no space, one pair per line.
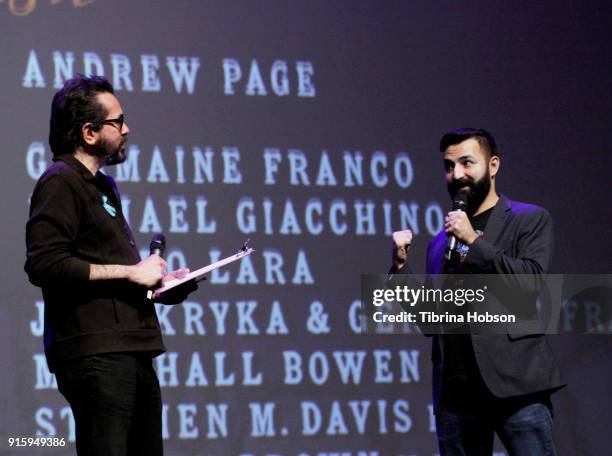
101,332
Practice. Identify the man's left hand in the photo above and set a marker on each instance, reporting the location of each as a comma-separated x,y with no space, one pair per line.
180,293
457,223
178,274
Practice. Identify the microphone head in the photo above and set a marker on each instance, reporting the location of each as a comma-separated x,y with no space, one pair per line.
158,244
460,202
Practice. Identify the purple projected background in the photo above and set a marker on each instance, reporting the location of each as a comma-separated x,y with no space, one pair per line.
311,128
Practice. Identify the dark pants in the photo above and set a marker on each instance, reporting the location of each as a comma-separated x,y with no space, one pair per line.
523,424
116,403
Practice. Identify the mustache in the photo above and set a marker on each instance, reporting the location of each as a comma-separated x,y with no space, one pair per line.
465,182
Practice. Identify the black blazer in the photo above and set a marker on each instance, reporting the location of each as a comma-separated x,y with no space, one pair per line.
517,240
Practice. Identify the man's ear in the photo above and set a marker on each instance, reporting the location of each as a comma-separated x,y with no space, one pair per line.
89,134
494,164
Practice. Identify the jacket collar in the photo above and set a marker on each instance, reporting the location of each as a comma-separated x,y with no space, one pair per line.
497,219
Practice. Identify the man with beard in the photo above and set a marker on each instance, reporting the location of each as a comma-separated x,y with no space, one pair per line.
101,332
488,383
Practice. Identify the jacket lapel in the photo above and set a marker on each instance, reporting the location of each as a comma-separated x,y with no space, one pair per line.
497,220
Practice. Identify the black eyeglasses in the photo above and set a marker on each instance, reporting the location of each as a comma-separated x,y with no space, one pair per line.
118,122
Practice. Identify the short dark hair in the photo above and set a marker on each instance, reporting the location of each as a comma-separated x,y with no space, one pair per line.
74,105
458,135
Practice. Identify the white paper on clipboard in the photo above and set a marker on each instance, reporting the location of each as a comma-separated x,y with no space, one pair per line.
200,273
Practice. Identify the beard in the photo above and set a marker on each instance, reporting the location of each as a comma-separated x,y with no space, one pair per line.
113,155
475,193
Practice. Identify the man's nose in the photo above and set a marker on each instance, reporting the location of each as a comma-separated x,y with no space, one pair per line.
458,172
125,130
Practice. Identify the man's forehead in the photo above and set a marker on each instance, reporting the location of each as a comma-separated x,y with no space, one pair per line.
110,103
469,147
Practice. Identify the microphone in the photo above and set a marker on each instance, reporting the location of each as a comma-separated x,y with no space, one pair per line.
156,247
459,204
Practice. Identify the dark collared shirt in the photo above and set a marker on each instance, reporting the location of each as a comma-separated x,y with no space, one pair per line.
76,220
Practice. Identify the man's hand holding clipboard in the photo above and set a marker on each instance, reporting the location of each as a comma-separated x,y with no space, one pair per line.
172,290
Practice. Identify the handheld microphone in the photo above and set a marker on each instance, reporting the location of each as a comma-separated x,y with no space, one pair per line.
156,247
459,204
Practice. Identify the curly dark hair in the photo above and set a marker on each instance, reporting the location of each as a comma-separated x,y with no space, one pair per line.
74,105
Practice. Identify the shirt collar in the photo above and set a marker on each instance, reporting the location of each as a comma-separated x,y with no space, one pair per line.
71,161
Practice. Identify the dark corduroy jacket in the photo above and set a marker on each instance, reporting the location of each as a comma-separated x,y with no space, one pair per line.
69,228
